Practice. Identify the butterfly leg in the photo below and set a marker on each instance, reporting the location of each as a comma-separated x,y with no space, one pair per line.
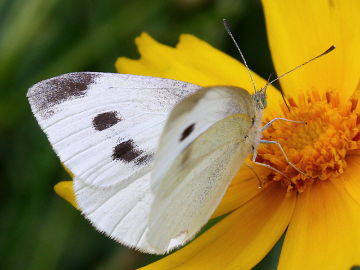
266,165
285,156
279,118
257,176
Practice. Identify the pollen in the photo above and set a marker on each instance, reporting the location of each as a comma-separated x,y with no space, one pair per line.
318,146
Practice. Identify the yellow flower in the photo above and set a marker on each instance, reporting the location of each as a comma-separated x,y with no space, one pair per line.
321,211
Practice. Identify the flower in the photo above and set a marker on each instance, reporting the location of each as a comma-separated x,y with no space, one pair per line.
319,210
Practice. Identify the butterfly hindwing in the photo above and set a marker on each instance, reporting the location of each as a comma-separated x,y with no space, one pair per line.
105,127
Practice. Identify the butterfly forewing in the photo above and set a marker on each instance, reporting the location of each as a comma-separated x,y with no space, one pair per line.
105,127
120,212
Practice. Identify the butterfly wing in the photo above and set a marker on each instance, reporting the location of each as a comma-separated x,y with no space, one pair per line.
193,167
105,127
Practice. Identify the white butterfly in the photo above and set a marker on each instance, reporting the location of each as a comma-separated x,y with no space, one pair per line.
151,157
106,129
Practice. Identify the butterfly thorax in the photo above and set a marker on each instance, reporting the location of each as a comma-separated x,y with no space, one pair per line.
259,100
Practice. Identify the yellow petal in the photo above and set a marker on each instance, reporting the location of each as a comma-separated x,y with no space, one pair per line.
300,29
243,187
324,232
194,61
240,240
65,190
350,178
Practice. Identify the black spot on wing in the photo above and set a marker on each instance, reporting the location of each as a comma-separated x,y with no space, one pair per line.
48,93
126,151
105,120
187,131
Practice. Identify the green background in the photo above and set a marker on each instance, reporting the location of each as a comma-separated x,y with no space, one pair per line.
45,38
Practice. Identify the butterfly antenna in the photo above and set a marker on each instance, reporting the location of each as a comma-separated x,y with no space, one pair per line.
283,97
281,91
267,84
227,28
312,59
268,81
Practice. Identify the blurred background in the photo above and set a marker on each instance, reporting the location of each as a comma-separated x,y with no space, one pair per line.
45,38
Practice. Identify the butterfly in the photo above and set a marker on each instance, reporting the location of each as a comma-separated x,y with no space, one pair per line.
151,157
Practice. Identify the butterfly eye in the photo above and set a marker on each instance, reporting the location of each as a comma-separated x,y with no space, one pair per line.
264,102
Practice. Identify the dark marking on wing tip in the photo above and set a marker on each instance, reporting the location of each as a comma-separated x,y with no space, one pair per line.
126,151
187,131
105,120
252,121
145,159
56,90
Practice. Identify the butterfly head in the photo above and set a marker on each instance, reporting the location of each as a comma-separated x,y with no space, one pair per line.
259,98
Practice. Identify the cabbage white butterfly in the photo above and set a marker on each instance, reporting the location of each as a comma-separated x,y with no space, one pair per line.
151,157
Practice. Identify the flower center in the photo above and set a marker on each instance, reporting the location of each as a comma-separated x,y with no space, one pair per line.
318,147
